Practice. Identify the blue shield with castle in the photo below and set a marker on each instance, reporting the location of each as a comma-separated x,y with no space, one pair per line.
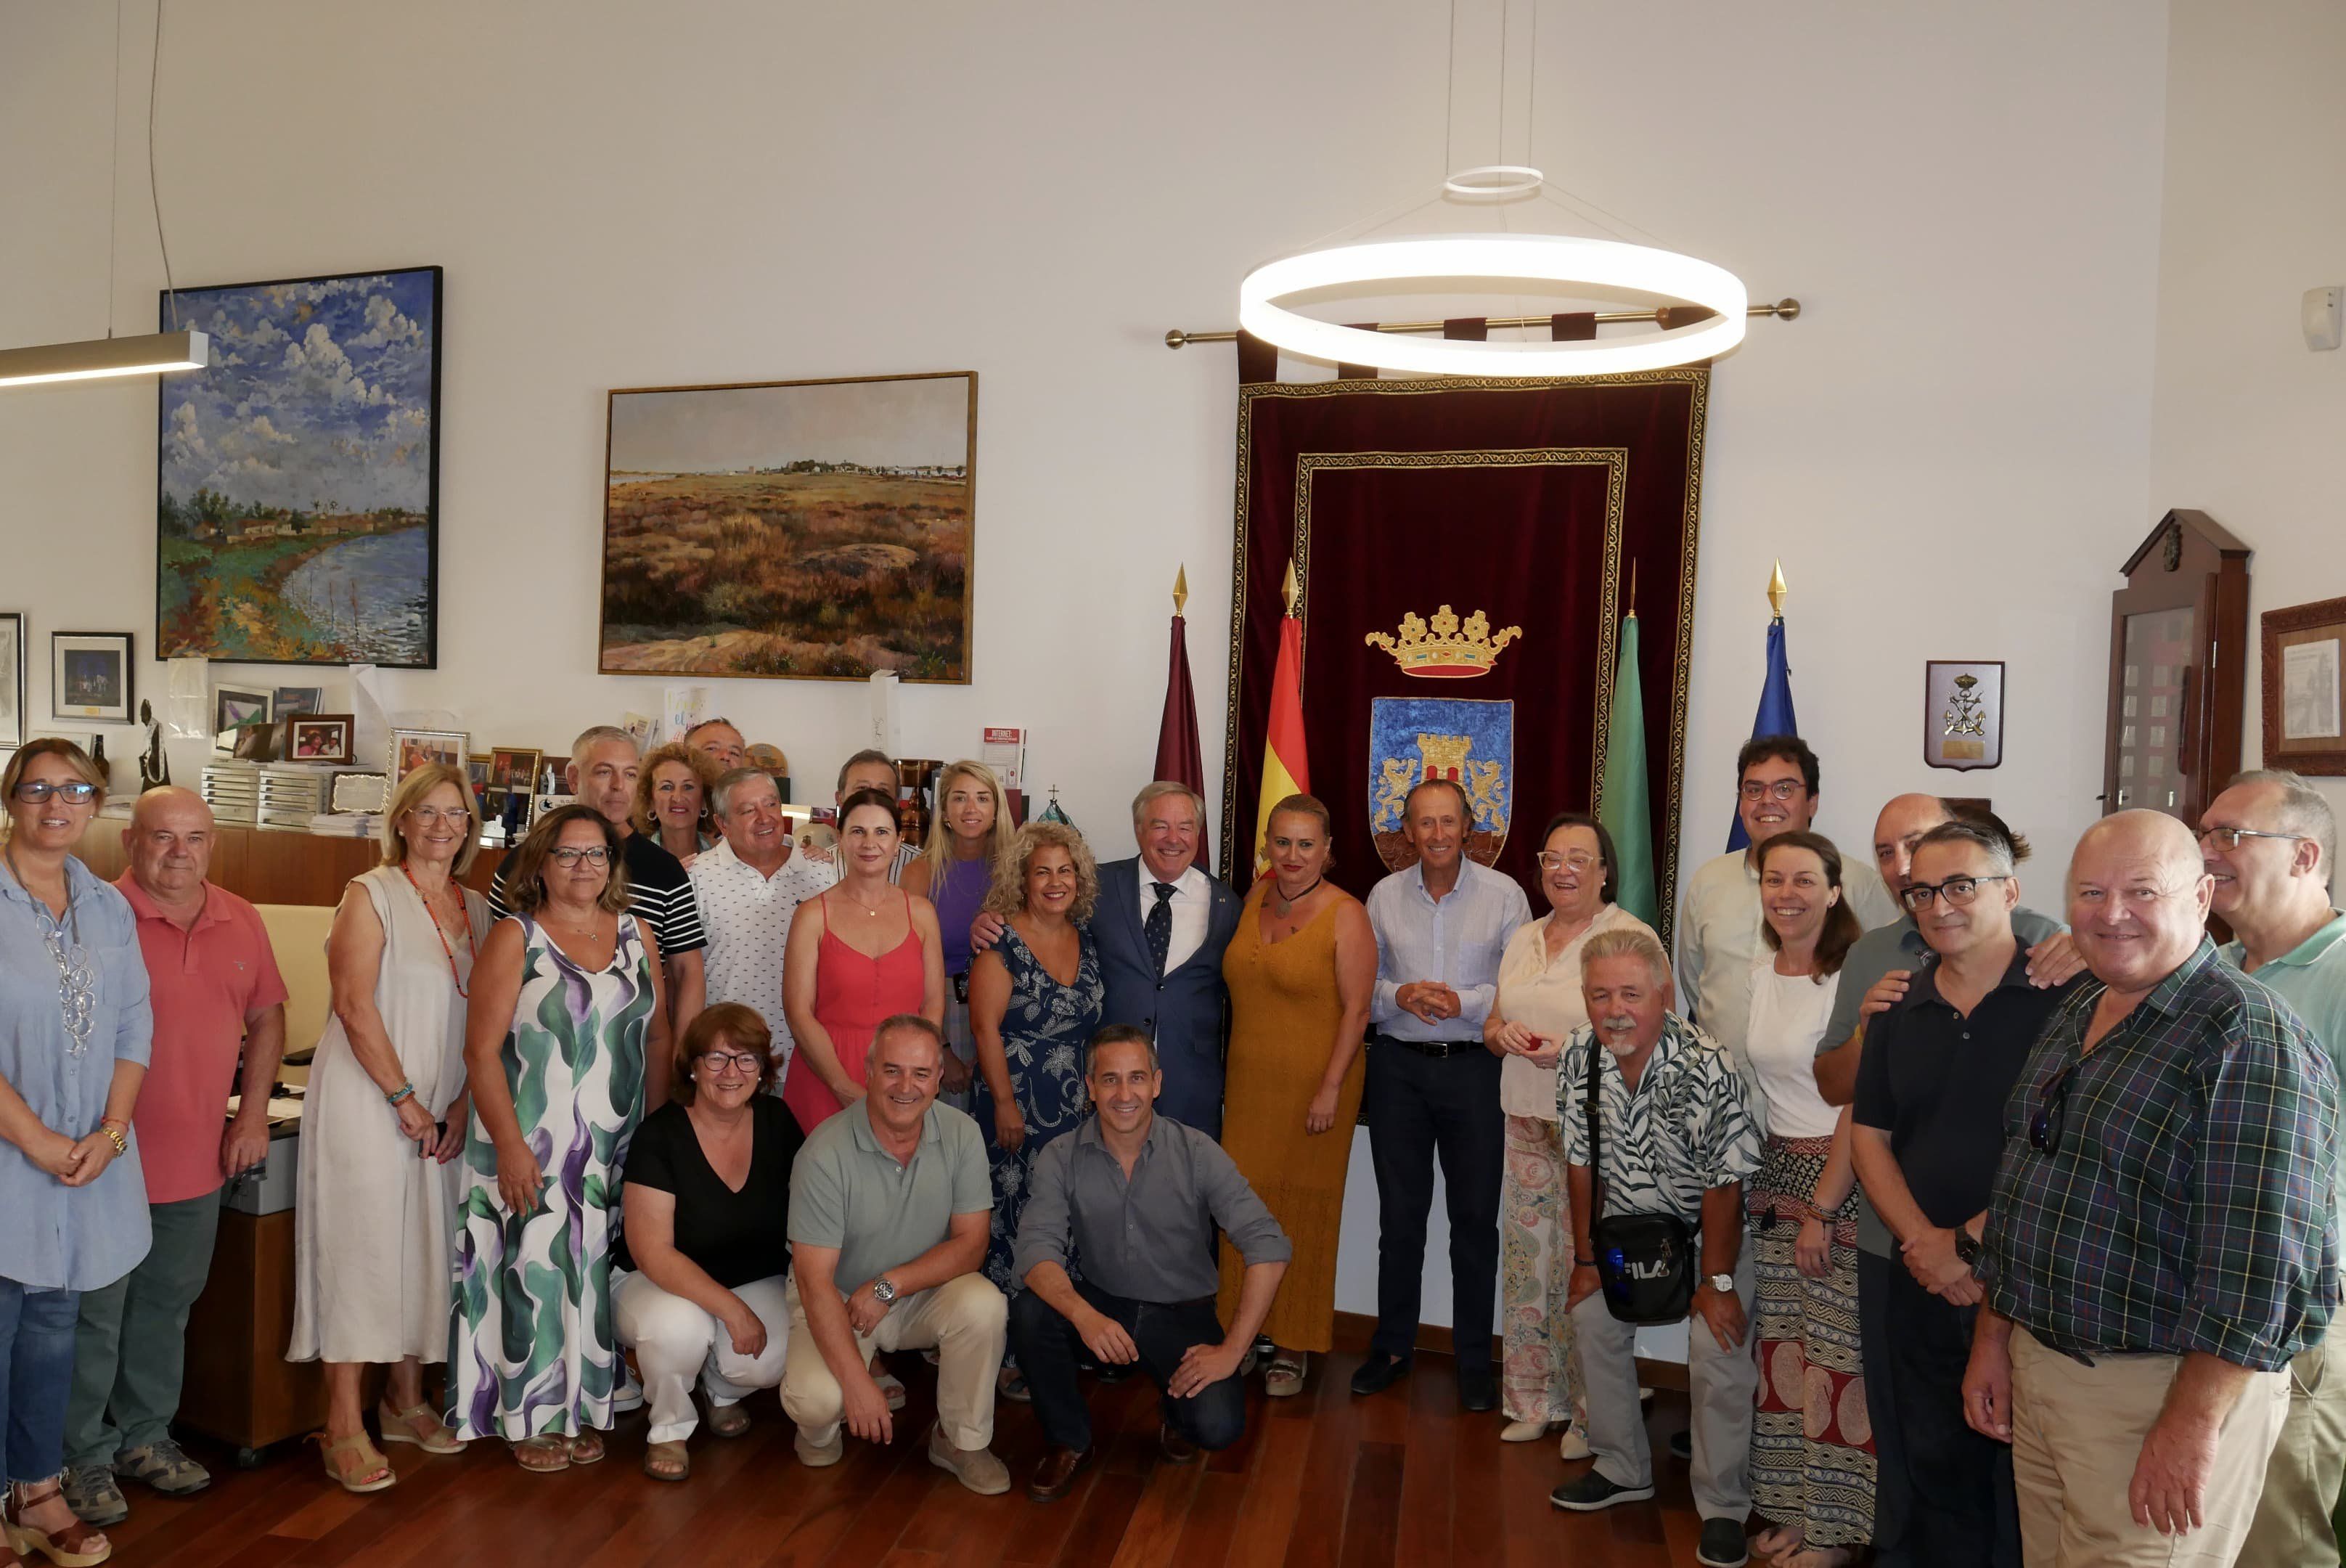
1414,739
1471,743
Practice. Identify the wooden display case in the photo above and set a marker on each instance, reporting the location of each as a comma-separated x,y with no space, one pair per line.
2178,669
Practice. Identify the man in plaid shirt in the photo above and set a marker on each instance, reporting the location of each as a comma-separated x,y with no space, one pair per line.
2160,1242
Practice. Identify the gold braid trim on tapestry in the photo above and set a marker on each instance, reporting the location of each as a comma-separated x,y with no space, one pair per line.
1696,380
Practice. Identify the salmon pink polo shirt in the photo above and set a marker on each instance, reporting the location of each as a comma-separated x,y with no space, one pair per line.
206,981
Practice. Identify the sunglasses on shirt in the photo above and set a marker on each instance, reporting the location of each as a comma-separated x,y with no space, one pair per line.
2052,1111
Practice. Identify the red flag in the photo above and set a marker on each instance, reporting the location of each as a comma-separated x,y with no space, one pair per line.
1180,757
1286,770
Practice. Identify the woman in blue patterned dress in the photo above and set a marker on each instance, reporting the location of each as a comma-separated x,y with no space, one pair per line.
567,1011
1035,1000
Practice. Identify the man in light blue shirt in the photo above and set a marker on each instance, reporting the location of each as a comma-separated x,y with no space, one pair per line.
1434,1086
2269,840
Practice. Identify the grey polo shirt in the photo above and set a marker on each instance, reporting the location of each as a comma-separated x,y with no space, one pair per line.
1898,945
849,1192
1149,1239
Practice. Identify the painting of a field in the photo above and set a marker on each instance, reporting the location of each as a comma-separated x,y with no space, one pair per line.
808,530
297,518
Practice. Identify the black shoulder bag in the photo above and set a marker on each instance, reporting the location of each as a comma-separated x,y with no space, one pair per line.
1644,1261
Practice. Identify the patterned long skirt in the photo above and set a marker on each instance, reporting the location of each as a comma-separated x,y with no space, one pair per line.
1812,1442
1542,1376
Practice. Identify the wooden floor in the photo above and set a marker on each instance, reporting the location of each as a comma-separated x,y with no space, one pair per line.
1404,1478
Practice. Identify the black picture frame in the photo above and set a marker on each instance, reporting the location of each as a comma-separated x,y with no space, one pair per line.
243,617
120,701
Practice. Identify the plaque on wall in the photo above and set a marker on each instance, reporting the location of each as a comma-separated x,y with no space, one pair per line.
2305,687
1962,713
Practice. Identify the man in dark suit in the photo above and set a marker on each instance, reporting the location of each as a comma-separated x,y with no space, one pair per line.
1161,927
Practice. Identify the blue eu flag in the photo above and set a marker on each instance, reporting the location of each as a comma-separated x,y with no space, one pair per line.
1775,716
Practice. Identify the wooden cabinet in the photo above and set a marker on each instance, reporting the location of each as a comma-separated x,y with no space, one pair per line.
272,868
238,1386
2178,669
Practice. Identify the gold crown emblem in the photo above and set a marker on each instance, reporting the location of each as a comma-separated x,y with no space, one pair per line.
1442,647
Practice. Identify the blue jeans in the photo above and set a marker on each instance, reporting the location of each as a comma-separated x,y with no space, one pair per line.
36,1358
1046,1344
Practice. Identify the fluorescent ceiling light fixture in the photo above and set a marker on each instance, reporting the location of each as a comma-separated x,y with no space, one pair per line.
1601,265
158,352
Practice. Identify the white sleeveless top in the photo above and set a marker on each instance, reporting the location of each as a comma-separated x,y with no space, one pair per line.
1788,1014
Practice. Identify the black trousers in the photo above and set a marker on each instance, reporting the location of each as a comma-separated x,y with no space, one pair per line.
1419,1108
1047,1346
1962,1511
1890,1488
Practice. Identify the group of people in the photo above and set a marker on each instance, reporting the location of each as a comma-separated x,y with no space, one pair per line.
2011,1239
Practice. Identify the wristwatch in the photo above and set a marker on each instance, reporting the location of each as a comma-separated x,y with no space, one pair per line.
1722,1283
1967,1248
883,1290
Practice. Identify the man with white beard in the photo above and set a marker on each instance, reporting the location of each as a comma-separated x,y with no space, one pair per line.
1677,1137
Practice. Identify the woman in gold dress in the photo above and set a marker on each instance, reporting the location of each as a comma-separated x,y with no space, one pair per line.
1301,968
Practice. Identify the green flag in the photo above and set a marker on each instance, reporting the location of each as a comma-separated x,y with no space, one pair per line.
1623,808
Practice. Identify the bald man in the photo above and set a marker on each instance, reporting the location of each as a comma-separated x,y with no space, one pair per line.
2161,1242
217,996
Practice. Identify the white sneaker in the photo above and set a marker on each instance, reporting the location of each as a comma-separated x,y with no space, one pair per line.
891,1389
1575,1443
630,1394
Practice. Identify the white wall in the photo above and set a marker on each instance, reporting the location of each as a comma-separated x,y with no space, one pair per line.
2246,422
1947,451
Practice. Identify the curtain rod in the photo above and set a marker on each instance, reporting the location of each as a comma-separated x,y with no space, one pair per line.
1665,316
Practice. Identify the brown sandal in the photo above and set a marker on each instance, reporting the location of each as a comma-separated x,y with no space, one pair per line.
420,1425
587,1448
78,1546
666,1462
542,1455
729,1420
373,1473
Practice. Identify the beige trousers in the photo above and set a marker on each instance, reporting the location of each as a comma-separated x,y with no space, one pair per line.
966,1319
2077,1433
2292,1527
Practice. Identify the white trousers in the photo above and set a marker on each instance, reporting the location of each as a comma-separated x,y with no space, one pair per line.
678,1342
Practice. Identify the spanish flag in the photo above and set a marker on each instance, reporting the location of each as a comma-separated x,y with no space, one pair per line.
1285,769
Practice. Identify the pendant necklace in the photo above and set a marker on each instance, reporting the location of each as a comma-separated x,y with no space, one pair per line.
1286,904
442,933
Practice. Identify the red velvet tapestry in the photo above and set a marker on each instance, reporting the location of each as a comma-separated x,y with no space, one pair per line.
1465,550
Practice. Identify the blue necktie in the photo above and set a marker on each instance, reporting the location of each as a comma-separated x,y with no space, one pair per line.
1158,927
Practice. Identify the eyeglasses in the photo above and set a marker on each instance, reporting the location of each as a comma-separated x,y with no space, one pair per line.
73,792
1782,788
1578,862
1959,892
433,816
566,858
721,1061
2052,1111
2230,837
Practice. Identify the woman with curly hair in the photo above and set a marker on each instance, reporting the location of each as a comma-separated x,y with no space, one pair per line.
673,800
1034,998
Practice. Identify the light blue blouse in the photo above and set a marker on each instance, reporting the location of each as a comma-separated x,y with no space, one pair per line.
53,1237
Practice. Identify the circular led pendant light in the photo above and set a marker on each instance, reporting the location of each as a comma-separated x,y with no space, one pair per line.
1598,265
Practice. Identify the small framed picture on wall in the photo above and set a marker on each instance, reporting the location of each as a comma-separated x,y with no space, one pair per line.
1962,713
89,675
12,680
2305,687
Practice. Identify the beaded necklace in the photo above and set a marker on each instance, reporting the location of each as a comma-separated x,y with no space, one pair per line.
440,932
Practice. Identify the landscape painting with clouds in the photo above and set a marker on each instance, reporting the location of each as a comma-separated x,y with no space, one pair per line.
296,516
817,530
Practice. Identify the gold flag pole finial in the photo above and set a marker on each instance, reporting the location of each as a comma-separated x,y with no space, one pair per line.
1180,588
1776,592
1633,588
1290,589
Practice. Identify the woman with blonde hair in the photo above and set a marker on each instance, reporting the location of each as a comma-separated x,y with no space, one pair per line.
75,1028
673,800
955,870
371,1241
1035,999
570,1019
1303,969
